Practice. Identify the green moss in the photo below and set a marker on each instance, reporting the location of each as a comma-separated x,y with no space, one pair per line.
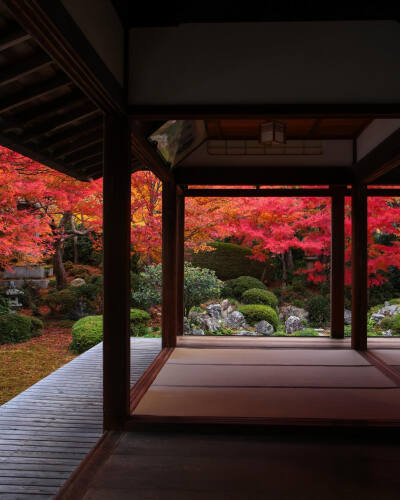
255,313
259,296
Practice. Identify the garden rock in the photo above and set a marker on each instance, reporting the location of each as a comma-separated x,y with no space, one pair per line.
197,331
204,321
347,317
186,326
215,311
377,318
286,311
225,304
248,333
293,324
235,320
387,333
264,328
78,282
388,309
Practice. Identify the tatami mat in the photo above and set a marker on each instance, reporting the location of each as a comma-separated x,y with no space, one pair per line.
273,384
271,376
390,357
289,403
306,357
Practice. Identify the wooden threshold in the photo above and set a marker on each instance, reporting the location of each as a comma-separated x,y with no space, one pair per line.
148,377
209,423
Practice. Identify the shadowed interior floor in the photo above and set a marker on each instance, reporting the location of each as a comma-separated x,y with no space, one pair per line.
282,465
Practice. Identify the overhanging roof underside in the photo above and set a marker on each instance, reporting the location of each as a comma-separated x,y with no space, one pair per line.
43,113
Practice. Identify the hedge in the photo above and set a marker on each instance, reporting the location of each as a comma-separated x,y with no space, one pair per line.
255,313
229,261
259,296
236,288
88,331
16,327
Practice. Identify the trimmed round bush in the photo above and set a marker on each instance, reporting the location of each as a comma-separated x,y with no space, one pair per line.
259,296
238,286
257,312
318,308
86,333
16,327
139,320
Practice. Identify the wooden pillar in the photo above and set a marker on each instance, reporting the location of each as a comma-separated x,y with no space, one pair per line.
169,264
359,258
337,262
180,233
116,271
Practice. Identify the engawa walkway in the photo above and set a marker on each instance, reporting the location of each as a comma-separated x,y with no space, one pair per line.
47,430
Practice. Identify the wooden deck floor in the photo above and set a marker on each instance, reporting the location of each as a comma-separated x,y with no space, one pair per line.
47,430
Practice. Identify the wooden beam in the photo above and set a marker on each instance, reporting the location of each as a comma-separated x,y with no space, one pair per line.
42,112
180,256
84,154
78,145
283,175
359,261
19,69
337,261
94,159
85,111
116,272
52,27
262,193
35,91
72,135
13,38
143,150
263,111
381,160
169,264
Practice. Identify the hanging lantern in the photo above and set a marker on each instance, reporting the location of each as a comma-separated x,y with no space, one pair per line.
273,133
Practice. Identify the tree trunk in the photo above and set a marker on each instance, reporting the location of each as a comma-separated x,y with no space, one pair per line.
290,259
284,270
59,270
76,255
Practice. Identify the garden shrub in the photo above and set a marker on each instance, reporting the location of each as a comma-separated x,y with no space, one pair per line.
240,285
16,327
200,285
86,333
254,313
391,323
229,261
259,296
138,321
318,308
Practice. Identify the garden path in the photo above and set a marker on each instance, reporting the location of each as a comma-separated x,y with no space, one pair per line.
47,430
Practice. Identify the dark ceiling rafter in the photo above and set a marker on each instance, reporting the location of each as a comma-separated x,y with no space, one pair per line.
19,69
13,37
41,112
83,154
78,145
38,17
70,136
33,92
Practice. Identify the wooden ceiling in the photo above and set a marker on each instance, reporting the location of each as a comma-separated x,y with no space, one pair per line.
43,114
309,128
174,13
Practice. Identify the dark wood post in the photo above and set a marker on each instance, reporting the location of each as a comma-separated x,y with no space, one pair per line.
169,264
337,262
116,271
180,221
359,259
